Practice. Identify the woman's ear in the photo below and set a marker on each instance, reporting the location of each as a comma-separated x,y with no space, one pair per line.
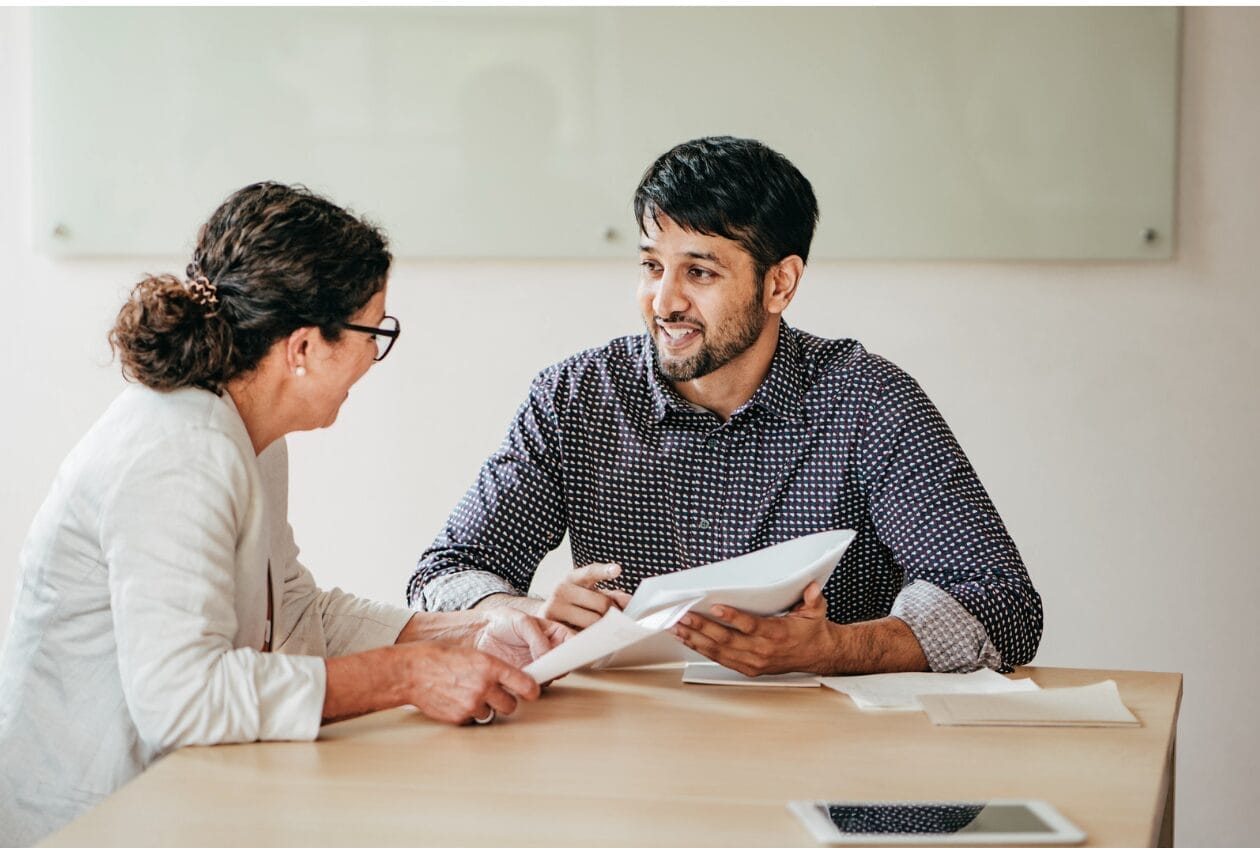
781,282
296,349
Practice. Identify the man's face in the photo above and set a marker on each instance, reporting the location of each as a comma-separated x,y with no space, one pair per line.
700,297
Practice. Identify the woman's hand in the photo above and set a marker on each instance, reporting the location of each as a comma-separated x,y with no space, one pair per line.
517,638
459,685
446,682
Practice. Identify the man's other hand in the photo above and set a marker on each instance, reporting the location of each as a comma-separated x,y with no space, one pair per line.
577,602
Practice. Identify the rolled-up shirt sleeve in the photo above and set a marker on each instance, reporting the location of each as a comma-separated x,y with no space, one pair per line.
930,509
952,639
461,590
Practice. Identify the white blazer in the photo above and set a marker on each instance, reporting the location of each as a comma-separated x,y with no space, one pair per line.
141,609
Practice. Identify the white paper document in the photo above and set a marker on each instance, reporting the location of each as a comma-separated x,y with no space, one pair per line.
902,691
712,673
614,631
1097,705
765,582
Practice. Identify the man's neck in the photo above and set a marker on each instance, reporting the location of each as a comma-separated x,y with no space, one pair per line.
729,387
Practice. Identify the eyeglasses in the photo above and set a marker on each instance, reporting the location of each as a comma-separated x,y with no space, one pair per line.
384,335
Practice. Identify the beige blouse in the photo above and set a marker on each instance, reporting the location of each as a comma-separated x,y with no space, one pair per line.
142,600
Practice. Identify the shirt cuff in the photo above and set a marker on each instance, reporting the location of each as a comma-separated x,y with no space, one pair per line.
290,691
952,638
460,590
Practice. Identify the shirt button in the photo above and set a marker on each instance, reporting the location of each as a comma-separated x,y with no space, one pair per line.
704,523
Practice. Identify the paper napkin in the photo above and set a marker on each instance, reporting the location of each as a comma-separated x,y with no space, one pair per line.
1097,705
902,691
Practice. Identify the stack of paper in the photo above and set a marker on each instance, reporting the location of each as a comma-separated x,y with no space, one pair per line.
903,691
1098,705
614,631
764,582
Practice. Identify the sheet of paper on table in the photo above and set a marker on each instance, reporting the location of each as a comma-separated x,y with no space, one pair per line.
708,672
901,691
764,582
1096,705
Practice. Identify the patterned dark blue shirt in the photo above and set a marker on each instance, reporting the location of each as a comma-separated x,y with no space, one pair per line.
606,450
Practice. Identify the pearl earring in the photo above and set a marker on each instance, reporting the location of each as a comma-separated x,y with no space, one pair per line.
300,371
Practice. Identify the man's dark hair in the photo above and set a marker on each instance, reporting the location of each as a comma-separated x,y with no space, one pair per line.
736,188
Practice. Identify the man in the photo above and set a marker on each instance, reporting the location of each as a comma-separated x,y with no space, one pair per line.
723,430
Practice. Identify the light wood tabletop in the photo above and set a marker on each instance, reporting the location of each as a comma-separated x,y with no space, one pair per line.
638,758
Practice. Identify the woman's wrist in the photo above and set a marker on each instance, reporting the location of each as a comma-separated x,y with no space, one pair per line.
462,627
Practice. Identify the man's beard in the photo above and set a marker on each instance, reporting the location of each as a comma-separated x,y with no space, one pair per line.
743,331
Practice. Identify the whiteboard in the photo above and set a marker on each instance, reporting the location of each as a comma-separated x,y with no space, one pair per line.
938,133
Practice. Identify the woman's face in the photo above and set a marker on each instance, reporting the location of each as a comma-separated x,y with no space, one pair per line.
333,367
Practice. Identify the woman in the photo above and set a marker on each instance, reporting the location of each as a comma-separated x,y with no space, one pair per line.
160,601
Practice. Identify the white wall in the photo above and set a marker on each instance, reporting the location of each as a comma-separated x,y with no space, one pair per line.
1111,409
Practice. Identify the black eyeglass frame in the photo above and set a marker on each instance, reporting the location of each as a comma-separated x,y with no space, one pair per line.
392,335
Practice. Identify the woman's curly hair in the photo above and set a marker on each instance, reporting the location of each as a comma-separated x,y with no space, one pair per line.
271,259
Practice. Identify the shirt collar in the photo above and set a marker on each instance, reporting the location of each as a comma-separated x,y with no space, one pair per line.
782,393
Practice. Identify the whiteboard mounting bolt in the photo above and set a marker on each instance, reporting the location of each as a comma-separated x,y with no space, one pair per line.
1149,235
610,234
61,231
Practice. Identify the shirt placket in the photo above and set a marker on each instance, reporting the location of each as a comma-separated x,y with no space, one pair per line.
700,498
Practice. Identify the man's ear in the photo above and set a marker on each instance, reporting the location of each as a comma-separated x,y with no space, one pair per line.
780,283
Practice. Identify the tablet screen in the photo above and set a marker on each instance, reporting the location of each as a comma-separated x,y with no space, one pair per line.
934,818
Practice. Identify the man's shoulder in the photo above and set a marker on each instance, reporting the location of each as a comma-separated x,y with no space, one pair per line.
842,366
611,368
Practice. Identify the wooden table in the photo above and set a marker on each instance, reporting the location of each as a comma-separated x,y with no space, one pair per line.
637,758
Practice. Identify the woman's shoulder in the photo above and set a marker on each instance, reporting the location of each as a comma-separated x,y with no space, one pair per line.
143,412
142,421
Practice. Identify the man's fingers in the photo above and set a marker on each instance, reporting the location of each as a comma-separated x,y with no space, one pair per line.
589,575
591,599
737,619
576,617
619,597
729,654
814,601
708,629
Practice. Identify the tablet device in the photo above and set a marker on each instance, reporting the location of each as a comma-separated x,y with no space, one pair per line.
1010,822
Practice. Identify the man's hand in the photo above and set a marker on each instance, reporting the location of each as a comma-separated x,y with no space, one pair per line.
516,638
753,644
802,640
578,603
